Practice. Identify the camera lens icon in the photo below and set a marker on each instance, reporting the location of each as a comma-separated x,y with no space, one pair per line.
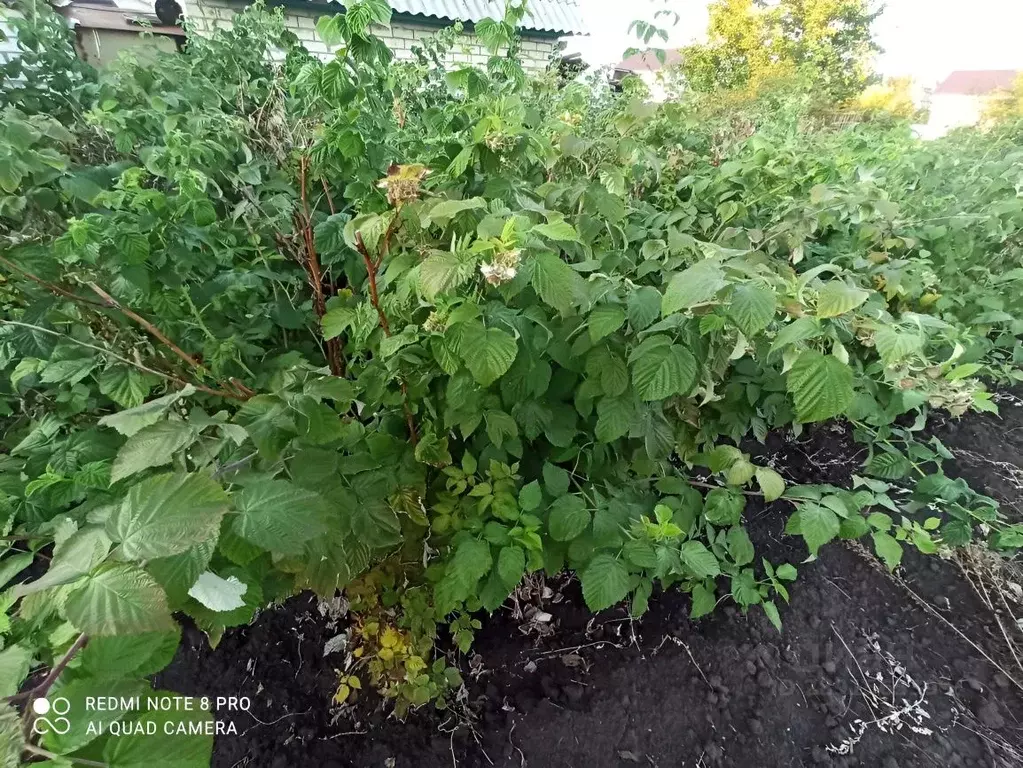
58,706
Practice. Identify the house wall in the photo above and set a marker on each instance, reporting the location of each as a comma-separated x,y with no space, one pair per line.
8,46
952,110
208,15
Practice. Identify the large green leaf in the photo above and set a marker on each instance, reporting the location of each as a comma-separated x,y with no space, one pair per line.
604,320
15,661
698,284
72,558
442,273
821,386
894,345
838,297
663,371
152,446
178,738
166,514
131,421
558,230
556,283
699,560
605,582
569,517
278,516
614,417
125,386
129,656
119,599
817,524
752,308
488,353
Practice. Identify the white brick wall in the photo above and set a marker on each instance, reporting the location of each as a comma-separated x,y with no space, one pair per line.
207,15
8,47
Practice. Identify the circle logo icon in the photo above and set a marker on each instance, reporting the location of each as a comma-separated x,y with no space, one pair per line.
58,706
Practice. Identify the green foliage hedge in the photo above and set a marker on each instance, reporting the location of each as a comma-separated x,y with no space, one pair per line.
271,324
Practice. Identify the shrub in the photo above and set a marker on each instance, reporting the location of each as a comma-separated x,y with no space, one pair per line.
372,326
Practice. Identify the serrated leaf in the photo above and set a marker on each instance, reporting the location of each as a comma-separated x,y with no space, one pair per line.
740,548
640,553
772,485
166,514
120,599
556,283
12,737
838,297
752,308
699,560
888,549
511,565
772,613
817,524
445,210
555,479
132,420
218,594
800,329
125,386
663,371
182,738
15,661
821,386
605,582
530,496
72,559
442,273
129,656
152,446
560,231
278,516
133,247
336,321
888,466
703,602
894,345
698,284
614,417
604,320
569,517
488,353
643,307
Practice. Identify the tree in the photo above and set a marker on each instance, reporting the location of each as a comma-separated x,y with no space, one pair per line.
748,42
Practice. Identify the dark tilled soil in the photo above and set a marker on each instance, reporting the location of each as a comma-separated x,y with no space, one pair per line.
869,671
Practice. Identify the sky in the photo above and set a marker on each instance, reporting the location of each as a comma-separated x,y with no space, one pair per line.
923,38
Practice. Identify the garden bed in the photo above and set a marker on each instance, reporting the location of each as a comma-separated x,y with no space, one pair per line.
580,690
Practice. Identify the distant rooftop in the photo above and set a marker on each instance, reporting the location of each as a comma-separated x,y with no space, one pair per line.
552,16
977,82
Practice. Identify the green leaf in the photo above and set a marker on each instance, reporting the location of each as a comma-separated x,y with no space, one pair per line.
488,353
821,386
133,247
15,661
442,273
740,548
12,736
888,466
445,210
555,479
470,563
336,321
786,572
772,613
129,656
724,506
663,371
772,485
119,599
699,284
530,496
131,421
888,549
152,446
569,517
699,560
182,738
511,565
614,417
643,307
559,230
894,345
278,516
125,386
605,582
640,553
752,308
800,329
604,320
817,524
556,283
461,162
703,602
963,371
838,297
72,559
166,514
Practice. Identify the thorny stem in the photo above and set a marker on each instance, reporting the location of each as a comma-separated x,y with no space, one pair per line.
313,266
41,690
48,285
330,200
374,299
152,330
169,377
